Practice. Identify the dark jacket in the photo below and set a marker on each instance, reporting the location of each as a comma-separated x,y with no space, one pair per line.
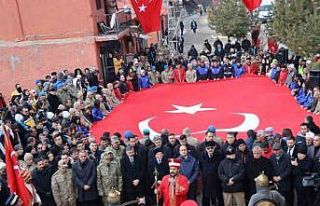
132,172
42,182
254,167
282,168
54,102
5,192
170,149
162,169
303,169
228,169
209,170
85,174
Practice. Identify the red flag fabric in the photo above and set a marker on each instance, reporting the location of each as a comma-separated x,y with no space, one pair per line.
15,180
252,4
148,13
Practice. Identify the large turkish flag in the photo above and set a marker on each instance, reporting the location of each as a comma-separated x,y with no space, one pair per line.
148,13
252,102
252,4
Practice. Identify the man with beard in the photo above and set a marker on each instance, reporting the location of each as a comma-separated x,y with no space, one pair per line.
172,143
41,179
173,187
209,162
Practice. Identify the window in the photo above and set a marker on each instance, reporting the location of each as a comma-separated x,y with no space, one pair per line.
98,4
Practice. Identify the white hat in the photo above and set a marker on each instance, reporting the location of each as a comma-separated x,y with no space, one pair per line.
50,115
291,66
65,114
310,135
2,165
18,117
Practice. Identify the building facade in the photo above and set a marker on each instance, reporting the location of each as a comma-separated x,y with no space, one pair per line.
41,36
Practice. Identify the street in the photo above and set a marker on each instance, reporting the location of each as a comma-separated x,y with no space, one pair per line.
203,33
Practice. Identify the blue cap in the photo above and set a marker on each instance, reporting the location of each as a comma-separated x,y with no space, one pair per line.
128,134
37,81
146,132
153,68
165,66
211,128
93,89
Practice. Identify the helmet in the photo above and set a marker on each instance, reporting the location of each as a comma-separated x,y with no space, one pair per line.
113,196
262,180
264,202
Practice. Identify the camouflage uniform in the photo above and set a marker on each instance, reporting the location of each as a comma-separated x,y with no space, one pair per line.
117,153
108,177
63,189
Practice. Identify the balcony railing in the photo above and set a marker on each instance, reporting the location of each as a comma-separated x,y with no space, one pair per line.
114,23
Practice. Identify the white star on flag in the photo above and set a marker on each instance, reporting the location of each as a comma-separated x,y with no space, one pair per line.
142,8
190,110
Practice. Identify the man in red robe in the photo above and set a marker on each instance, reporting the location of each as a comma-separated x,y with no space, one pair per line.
173,187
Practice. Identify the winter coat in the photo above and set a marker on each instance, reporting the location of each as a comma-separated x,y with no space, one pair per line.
132,172
85,174
303,169
209,169
42,182
228,169
282,168
254,167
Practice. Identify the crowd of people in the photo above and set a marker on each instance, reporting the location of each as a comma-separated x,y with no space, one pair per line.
49,128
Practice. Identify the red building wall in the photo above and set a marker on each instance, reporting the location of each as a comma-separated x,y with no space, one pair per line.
40,36
25,63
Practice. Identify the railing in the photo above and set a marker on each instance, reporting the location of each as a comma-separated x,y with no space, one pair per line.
114,23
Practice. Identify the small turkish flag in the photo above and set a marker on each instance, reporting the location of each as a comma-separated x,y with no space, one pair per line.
148,13
252,4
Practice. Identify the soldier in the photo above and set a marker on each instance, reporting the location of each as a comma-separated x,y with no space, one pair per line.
109,178
264,195
62,186
117,149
